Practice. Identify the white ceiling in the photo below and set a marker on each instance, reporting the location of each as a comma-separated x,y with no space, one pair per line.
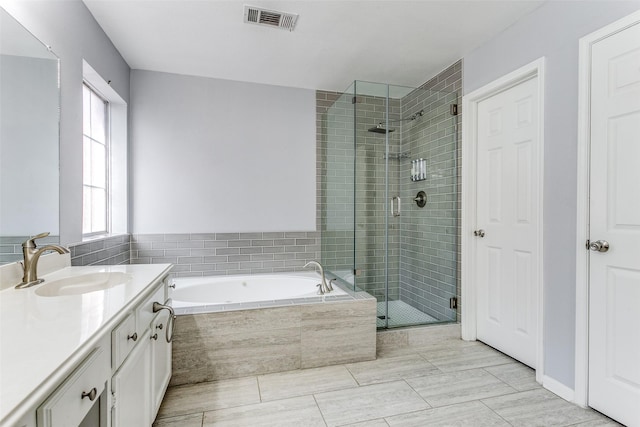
334,42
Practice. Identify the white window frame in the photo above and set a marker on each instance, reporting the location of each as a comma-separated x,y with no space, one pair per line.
107,144
117,124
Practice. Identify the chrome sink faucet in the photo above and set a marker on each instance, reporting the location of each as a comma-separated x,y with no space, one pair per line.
31,256
324,286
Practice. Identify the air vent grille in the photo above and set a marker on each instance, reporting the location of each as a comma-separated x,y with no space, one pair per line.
271,18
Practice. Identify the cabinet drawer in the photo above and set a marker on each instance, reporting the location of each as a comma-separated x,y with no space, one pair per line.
123,338
66,406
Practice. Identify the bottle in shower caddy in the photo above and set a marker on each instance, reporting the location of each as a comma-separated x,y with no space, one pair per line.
413,170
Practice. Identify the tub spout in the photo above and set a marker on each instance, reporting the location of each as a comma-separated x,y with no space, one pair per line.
324,287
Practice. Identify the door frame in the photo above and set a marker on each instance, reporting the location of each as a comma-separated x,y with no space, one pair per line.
581,386
469,197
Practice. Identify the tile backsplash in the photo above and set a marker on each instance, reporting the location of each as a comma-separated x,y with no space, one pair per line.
104,251
214,254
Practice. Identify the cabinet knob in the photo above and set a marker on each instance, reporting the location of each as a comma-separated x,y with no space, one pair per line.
91,394
154,336
159,326
133,337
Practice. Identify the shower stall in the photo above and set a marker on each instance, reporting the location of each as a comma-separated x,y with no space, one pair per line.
389,199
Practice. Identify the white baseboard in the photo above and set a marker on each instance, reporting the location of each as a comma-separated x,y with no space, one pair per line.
556,387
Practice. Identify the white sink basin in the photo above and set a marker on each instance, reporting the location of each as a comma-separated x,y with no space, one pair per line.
82,284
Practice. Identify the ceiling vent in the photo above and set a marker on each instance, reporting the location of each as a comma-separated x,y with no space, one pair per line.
270,18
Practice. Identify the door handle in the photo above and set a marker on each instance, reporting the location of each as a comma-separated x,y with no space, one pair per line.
478,233
599,246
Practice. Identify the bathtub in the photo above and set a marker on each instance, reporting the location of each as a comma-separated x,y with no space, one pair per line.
218,293
236,326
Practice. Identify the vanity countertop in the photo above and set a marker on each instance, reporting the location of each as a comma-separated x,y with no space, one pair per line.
43,338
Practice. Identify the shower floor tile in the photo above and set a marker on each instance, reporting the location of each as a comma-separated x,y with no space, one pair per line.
402,314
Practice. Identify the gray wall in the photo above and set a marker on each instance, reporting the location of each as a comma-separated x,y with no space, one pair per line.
211,155
552,31
73,34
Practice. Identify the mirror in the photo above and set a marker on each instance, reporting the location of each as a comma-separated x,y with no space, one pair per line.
29,133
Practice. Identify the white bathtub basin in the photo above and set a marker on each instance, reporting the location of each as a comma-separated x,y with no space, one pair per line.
248,288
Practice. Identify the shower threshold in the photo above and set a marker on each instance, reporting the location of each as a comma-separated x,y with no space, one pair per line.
401,314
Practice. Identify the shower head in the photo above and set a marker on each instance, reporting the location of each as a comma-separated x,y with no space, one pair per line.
380,129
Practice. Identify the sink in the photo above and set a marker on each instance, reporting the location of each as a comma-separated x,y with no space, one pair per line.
82,284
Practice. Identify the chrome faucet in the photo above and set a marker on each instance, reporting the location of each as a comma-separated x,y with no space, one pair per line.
31,256
324,287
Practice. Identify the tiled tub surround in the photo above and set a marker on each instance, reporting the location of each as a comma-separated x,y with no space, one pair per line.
214,254
249,341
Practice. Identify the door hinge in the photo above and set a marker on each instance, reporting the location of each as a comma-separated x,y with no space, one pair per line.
357,272
453,109
354,100
453,303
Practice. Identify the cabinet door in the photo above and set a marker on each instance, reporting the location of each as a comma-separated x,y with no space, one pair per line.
160,360
131,387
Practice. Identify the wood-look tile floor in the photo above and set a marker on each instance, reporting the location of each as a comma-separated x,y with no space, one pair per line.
452,383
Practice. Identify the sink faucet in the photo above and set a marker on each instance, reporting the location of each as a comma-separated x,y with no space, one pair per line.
324,286
31,256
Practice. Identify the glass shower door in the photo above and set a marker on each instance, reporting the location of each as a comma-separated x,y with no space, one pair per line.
375,236
337,218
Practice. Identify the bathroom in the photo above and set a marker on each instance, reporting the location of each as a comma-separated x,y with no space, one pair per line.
235,169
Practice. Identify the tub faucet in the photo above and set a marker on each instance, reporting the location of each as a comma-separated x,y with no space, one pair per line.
31,256
324,286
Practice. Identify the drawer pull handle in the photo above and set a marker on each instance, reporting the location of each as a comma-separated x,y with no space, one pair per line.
154,336
133,337
172,319
91,395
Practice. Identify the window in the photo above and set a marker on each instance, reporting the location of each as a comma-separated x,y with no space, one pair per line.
95,180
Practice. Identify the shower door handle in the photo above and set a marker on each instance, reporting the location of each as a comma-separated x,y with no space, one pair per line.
395,207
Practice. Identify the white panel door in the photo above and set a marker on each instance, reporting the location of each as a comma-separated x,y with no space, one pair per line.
507,206
614,275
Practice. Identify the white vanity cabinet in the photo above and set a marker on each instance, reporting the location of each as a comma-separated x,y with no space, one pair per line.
160,360
86,359
80,397
130,388
142,365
